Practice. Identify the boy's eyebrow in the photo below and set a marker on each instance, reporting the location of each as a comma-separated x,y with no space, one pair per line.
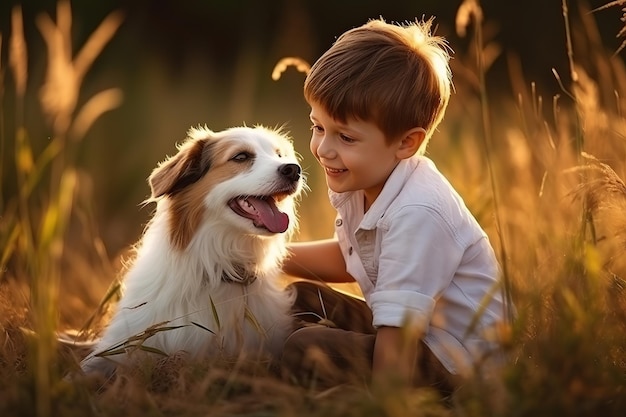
313,118
340,124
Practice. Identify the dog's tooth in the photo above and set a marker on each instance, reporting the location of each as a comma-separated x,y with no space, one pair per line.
246,206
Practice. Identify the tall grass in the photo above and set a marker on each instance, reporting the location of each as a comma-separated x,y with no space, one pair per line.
35,221
543,175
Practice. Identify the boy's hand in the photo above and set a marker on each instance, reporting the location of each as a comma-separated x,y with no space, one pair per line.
395,355
319,260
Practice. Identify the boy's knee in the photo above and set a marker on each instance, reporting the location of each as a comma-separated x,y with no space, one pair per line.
293,350
296,362
296,347
327,356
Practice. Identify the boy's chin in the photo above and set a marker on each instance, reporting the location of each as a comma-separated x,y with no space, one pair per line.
336,189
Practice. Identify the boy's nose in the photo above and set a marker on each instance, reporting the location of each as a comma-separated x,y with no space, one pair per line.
323,148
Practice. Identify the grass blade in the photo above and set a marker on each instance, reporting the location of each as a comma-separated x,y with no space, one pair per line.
202,327
152,350
215,315
254,322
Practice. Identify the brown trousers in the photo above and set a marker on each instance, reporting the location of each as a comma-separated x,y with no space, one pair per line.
333,342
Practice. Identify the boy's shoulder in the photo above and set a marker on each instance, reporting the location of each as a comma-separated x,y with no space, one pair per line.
427,194
421,186
423,183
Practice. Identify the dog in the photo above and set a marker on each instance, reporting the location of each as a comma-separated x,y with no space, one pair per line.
205,278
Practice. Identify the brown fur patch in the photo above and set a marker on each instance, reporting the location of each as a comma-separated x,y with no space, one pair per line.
187,205
186,167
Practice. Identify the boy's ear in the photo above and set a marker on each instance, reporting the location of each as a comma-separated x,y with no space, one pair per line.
411,142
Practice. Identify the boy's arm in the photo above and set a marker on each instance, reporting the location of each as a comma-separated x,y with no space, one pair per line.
317,260
395,355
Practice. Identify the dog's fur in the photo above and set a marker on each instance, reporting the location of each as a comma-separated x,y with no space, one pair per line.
201,263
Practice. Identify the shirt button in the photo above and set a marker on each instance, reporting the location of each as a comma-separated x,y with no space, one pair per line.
338,222
350,251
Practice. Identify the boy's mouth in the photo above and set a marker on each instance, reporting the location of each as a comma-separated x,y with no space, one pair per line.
334,171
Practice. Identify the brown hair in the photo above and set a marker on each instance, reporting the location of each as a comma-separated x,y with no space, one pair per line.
396,76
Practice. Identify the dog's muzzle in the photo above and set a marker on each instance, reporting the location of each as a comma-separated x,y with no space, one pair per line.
290,171
262,209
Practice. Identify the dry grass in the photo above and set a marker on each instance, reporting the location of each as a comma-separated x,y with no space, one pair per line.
544,176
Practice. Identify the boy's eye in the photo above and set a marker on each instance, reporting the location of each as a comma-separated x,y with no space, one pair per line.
317,129
346,139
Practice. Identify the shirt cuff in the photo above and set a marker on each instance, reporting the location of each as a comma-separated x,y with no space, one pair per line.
398,308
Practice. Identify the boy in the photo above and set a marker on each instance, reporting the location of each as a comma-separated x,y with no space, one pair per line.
425,267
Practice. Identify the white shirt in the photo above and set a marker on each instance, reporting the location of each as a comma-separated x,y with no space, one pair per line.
420,256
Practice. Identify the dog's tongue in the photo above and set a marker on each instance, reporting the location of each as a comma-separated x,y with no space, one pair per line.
267,214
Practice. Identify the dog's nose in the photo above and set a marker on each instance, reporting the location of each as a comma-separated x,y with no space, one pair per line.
290,171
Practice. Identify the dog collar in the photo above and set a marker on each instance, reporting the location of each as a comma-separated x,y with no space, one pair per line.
243,276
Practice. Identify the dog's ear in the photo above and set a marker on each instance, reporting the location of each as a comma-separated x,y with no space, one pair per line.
186,167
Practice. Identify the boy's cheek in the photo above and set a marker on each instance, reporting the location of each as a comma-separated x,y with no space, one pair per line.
313,145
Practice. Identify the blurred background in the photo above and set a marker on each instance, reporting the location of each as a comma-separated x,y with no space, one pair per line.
94,94
195,62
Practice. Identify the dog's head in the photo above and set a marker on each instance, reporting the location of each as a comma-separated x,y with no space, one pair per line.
246,177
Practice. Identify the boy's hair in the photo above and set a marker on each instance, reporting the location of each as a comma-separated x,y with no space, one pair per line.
396,76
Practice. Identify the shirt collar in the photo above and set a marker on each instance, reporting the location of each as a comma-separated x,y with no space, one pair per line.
390,191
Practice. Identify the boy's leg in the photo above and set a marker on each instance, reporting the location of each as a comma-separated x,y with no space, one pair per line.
430,372
329,356
318,303
335,343
333,340
325,356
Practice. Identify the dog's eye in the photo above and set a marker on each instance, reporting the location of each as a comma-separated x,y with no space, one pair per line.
279,153
241,157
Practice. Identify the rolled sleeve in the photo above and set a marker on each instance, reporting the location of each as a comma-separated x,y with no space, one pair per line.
396,308
414,268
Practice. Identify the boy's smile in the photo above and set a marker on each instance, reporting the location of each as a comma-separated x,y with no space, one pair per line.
354,155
